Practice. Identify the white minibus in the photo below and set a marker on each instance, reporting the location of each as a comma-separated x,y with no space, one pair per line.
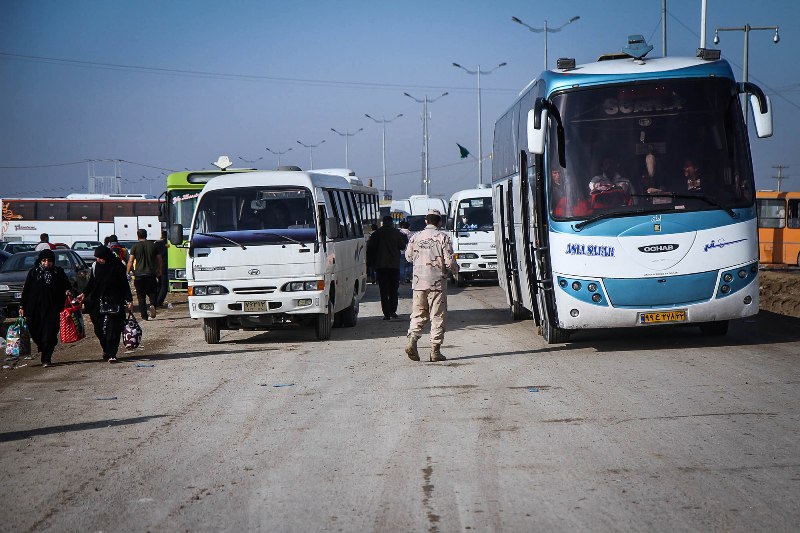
471,228
277,248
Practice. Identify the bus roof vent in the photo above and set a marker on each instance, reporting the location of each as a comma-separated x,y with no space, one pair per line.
290,168
637,47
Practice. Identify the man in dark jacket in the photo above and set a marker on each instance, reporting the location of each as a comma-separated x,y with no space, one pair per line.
383,253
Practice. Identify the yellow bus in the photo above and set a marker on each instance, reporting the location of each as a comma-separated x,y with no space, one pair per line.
779,227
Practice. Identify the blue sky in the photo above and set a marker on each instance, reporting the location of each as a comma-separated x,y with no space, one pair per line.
174,84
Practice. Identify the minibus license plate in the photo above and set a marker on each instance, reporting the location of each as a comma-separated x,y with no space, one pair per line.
678,315
260,305
492,266
17,295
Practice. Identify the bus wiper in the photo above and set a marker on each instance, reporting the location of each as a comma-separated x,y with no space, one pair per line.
707,199
287,238
223,237
613,214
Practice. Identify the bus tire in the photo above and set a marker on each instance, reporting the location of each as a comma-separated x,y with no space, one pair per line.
551,333
518,312
459,279
211,330
324,323
349,315
714,329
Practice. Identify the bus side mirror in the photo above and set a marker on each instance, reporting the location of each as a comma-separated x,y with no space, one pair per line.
762,117
332,228
536,130
176,234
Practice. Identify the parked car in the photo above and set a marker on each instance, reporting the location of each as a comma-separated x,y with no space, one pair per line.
16,268
17,246
85,249
3,256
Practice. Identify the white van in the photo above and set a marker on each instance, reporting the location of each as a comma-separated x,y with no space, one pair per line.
471,225
416,207
276,248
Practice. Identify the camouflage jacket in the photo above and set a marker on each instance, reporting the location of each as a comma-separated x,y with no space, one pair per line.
431,252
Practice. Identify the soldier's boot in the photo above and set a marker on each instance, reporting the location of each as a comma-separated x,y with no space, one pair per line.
436,353
411,348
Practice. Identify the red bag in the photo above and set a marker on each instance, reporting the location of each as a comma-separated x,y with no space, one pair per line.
71,328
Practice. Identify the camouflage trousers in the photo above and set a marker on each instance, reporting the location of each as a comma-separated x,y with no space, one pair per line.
428,305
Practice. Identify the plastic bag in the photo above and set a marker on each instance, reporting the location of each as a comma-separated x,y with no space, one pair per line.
71,328
18,339
131,333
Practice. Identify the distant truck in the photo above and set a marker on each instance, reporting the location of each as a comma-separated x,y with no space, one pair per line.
416,207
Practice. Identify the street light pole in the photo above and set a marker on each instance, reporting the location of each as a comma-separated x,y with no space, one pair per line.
311,151
383,122
747,28
545,30
425,165
478,71
346,136
251,162
279,154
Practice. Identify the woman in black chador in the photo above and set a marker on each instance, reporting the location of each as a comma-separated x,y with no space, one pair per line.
109,295
43,296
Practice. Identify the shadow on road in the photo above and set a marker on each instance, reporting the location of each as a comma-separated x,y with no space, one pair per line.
67,428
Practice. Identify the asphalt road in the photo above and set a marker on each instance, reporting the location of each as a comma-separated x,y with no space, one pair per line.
635,430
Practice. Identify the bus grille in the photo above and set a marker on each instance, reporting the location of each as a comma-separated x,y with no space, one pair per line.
255,290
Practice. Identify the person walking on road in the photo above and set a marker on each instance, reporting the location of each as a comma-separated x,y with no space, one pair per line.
42,301
431,253
148,267
383,249
109,296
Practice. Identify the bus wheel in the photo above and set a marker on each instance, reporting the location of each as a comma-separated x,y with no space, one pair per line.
551,333
211,330
518,312
460,280
350,314
324,324
714,329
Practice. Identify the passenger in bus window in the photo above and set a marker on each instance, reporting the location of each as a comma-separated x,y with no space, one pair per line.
277,216
692,174
608,188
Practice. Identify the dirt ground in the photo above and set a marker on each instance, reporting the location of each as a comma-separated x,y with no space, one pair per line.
780,292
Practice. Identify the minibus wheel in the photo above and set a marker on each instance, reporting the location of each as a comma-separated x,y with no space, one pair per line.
324,323
350,314
211,330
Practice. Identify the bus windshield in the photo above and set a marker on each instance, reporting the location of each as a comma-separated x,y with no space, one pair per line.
670,145
255,215
182,204
474,214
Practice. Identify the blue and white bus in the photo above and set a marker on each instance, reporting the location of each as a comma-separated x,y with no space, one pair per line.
624,195
276,248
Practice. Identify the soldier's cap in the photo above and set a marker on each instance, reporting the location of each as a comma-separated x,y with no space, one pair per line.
434,212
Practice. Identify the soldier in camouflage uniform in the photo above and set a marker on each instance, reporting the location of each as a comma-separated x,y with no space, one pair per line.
431,252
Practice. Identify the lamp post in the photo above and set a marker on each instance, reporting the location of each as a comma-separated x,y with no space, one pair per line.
279,154
478,72
747,28
545,30
346,136
425,164
311,152
383,122
251,162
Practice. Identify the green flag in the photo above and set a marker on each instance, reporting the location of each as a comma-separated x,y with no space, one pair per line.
464,151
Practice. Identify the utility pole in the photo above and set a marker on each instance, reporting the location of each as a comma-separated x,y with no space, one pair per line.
780,175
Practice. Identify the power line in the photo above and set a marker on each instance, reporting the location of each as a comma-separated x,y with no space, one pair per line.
233,76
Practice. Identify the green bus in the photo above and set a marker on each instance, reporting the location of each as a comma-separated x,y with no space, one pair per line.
183,188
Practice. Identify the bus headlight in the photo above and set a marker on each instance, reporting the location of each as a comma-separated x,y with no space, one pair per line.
297,286
207,290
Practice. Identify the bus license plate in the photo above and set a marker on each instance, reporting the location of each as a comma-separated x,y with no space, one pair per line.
260,305
679,315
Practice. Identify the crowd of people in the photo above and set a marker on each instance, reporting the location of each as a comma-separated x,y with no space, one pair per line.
106,298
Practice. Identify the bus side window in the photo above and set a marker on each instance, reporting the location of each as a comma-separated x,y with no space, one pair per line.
794,214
